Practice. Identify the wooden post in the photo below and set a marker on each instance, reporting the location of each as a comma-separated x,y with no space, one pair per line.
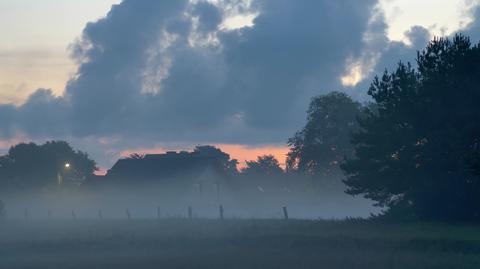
190,213
74,216
158,212
200,189
285,213
49,214
220,208
26,214
100,215
128,214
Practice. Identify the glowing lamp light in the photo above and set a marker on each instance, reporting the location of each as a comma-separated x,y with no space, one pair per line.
67,165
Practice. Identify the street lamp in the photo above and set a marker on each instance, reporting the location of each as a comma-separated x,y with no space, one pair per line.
60,174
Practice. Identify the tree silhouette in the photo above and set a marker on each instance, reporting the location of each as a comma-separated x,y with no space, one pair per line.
266,165
36,166
136,156
222,160
417,151
319,148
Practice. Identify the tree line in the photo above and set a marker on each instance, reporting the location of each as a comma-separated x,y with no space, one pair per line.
414,148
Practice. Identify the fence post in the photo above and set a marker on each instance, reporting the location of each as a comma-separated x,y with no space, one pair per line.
220,208
74,216
100,215
158,212
190,213
49,214
285,213
3,212
26,214
128,214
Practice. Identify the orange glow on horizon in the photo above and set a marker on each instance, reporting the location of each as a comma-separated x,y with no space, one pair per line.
100,172
242,153
245,153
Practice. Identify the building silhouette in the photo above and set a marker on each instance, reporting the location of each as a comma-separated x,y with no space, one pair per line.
169,165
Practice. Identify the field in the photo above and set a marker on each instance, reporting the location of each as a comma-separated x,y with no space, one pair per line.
199,243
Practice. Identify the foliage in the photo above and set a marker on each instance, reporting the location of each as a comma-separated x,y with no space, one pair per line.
321,145
222,160
30,165
417,151
136,156
266,165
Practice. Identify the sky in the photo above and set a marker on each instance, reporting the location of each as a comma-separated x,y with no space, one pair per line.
158,75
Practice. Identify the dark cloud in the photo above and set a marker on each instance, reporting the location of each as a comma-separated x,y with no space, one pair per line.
7,120
473,29
43,115
149,69
295,50
392,52
165,71
105,97
389,54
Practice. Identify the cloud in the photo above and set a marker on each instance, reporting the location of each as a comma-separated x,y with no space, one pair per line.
380,54
209,17
7,119
473,29
295,50
387,54
162,73
166,70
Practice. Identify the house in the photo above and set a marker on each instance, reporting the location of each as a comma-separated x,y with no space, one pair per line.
171,164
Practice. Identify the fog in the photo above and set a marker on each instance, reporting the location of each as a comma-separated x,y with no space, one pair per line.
240,198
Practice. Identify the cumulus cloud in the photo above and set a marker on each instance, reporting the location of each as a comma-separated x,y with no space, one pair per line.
386,55
473,29
171,71
166,69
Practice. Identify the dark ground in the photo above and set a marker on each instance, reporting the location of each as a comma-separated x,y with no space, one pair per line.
182,243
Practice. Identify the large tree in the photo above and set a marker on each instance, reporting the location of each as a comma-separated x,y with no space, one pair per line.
417,150
264,166
221,160
30,166
320,147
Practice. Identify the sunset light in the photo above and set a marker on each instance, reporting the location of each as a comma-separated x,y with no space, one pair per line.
208,134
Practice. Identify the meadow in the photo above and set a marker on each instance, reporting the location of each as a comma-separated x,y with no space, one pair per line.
236,243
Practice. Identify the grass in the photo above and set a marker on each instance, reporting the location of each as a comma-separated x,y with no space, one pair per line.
182,243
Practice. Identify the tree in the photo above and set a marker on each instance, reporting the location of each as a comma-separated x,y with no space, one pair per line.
136,156
319,148
221,160
416,152
265,166
30,165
